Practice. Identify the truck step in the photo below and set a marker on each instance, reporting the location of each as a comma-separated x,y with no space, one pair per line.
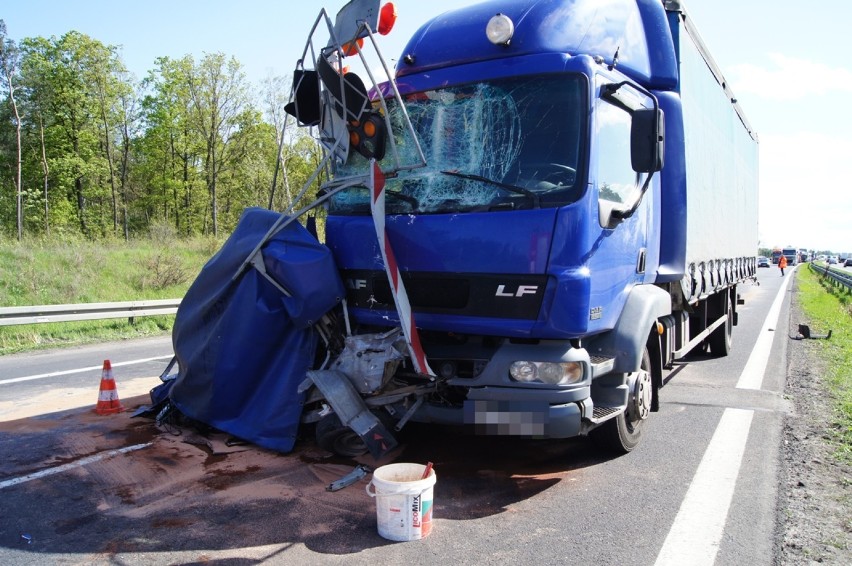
601,414
601,365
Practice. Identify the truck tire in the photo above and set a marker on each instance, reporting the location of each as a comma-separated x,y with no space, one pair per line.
622,434
720,339
334,436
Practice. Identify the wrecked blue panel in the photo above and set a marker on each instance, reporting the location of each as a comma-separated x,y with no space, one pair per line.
243,346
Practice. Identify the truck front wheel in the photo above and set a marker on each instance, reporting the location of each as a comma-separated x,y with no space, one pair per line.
337,438
622,433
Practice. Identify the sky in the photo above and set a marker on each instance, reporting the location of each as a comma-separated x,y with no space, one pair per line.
785,60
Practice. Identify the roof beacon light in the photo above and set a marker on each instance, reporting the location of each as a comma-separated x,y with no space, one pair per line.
500,29
387,18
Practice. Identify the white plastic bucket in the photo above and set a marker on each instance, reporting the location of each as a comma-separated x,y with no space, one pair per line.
403,501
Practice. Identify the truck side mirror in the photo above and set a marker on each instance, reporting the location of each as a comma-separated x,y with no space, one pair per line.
647,135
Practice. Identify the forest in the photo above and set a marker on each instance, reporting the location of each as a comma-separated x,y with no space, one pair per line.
89,151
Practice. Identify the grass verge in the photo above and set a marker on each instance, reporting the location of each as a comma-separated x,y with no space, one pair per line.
42,272
828,306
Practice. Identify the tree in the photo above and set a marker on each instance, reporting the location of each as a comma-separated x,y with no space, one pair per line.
276,95
62,77
46,174
187,146
111,98
170,146
219,93
129,123
247,182
9,67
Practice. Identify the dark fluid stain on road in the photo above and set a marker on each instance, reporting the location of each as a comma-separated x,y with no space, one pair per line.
138,431
25,453
171,522
213,459
127,495
165,461
113,548
221,479
70,525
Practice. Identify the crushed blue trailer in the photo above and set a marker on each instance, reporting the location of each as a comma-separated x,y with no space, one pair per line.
244,338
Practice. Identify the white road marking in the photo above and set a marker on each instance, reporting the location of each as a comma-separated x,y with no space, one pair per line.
700,523
752,375
71,465
81,370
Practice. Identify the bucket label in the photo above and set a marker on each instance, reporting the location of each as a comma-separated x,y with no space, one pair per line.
415,511
404,516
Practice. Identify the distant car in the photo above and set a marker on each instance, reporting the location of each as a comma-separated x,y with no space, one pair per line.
762,261
832,260
848,262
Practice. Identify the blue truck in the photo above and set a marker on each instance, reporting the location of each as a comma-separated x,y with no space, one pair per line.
585,208
545,205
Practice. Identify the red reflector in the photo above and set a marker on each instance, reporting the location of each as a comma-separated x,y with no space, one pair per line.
387,18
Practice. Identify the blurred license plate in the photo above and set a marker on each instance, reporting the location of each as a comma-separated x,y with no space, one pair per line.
510,418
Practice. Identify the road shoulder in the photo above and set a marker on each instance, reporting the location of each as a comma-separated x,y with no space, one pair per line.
815,519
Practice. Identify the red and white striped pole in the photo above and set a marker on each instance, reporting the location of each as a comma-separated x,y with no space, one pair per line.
400,296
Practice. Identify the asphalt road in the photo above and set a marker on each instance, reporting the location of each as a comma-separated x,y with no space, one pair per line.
700,489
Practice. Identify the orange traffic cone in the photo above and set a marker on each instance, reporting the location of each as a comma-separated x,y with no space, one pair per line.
108,402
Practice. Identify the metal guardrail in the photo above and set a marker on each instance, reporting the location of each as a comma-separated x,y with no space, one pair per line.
87,311
840,276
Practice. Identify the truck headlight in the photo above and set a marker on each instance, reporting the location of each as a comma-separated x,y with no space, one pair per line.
552,373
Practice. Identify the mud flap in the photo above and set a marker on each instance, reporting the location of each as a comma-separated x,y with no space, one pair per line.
352,411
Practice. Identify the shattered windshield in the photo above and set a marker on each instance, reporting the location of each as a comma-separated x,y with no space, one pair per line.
505,144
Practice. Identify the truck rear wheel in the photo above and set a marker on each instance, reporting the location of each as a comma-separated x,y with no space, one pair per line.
623,433
720,339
